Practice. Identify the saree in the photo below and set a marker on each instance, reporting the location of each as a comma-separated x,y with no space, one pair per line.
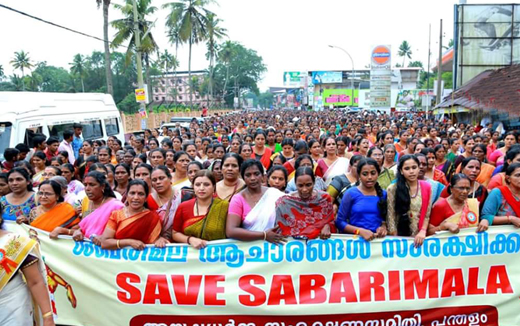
426,192
37,179
62,215
265,159
338,167
178,185
306,218
211,226
510,199
167,214
95,222
468,217
386,177
262,216
18,308
145,226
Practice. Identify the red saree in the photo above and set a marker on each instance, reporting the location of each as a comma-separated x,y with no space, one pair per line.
510,199
145,226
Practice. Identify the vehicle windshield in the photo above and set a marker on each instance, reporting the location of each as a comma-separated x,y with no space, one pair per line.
5,137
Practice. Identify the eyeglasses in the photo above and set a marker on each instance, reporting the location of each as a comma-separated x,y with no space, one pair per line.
45,194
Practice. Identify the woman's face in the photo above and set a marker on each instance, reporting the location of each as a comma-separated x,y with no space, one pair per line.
253,177
315,149
304,186
143,174
203,188
198,143
364,145
330,146
277,160
430,157
287,151
509,141
514,178
177,144
389,139
46,196
4,187
231,169
219,153
352,169
341,146
153,145
410,170
156,159
136,161
235,144
439,155
182,163
192,171
404,137
169,158
38,163
128,158
469,145
217,170
377,155
260,141
368,176
87,149
55,163
103,156
122,175
17,183
49,172
93,189
249,140
479,154
390,154
246,152
419,148
277,180
66,173
191,150
446,144
461,189
472,169
136,197
160,181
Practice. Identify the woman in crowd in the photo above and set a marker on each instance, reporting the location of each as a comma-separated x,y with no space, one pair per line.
4,184
87,149
402,144
299,149
386,176
216,168
245,151
96,208
512,156
19,203
38,161
389,158
191,149
52,212
177,144
122,177
305,160
74,186
235,145
306,213
260,151
503,203
287,149
219,151
170,164
180,176
409,202
458,211
315,150
251,212
363,208
277,177
431,171
202,218
153,143
166,201
24,284
331,165
470,167
231,182
104,155
486,170
341,183
441,163
134,225
468,144
496,157
157,157
186,192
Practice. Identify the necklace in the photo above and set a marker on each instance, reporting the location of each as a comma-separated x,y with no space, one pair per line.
416,191
197,207
91,207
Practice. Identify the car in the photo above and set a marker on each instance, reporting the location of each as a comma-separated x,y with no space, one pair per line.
185,121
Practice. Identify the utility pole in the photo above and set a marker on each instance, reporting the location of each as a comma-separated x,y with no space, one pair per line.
439,70
428,71
137,34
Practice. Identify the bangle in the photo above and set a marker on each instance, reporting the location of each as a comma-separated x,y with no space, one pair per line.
357,232
265,235
188,240
47,314
117,244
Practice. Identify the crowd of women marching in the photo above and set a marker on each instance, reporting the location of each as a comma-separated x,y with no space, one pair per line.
265,176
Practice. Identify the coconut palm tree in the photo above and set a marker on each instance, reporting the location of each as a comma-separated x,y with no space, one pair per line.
22,61
78,68
405,51
1,72
188,18
214,33
225,55
108,67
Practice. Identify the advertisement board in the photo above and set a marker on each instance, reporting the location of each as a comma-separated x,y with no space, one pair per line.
327,77
294,78
381,77
340,97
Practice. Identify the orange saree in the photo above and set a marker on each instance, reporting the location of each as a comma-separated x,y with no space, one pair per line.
145,226
62,215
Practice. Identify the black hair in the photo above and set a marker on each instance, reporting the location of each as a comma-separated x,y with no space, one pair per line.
425,151
97,166
372,150
206,173
22,148
142,157
69,167
482,147
11,154
144,165
139,182
24,174
278,168
281,157
249,163
3,175
56,169
312,141
26,165
402,197
65,154
124,166
259,132
287,141
299,160
167,142
160,150
55,187
304,170
215,146
511,168
456,178
52,140
164,169
242,146
102,180
197,163
178,155
68,133
355,159
109,150
301,144
237,157
437,148
513,152
38,140
466,160
188,143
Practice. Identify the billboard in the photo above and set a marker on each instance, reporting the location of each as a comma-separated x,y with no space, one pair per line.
340,97
294,78
487,37
381,77
327,77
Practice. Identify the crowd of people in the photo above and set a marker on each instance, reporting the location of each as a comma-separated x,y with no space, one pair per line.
266,176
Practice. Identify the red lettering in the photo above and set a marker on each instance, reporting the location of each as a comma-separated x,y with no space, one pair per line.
453,283
498,279
282,288
256,295
413,284
186,296
371,281
311,289
473,281
342,287
211,290
130,294
157,289
394,285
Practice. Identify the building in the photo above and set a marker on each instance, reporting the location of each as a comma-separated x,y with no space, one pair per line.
174,88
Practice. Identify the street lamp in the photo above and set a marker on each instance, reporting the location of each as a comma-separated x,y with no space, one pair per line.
352,61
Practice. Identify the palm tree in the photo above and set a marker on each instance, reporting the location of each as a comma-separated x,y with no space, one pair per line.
168,62
1,72
214,33
22,61
188,17
108,67
78,68
125,31
405,51
225,55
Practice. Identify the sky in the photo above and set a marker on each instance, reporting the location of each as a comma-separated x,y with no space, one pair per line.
290,35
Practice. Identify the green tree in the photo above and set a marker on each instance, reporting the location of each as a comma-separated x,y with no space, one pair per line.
417,64
1,72
450,44
214,34
266,99
188,18
78,68
22,61
108,71
405,51
225,56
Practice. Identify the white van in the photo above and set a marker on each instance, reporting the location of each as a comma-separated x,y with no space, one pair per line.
24,114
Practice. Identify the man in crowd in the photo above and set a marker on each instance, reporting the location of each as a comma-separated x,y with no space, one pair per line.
52,147
78,140
66,145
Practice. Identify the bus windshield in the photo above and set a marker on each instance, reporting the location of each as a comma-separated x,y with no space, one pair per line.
5,137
